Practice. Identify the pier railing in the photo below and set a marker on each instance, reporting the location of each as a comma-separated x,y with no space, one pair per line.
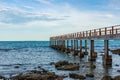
101,32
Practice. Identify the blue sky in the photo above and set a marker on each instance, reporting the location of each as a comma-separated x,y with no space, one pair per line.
40,19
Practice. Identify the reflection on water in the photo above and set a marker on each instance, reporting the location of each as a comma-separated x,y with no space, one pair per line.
17,57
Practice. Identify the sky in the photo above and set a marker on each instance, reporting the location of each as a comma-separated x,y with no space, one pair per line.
36,20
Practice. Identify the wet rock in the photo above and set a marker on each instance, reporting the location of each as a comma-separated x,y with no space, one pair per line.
16,66
90,75
39,66
101,54
2,78
52,63
69,67
85,53
117,51
116,65
107,78
38,75
118,70
61,63
76,76
116,77
92,66
64,65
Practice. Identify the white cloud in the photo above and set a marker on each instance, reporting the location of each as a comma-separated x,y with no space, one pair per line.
52,21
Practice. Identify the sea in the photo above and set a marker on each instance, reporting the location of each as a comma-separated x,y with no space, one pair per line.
20,56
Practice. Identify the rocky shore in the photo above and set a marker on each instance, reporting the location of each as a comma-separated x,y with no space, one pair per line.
116,51
43,74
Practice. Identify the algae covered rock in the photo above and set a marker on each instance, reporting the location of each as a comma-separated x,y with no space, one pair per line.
107,78
64,65
32,75
90,75
76,76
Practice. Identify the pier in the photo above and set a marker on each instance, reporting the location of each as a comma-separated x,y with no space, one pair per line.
72,43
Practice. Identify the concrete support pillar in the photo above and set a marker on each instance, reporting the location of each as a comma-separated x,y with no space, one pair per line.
106,48
71,45
86,47
67,44
74,44
80,46
67,47
93,55
81,53
75,47
107,59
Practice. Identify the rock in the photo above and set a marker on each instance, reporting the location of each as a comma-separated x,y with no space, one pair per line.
52,63
38,75
16,66
63,65
92,66
101,54
118,70
85,53
2,78
90,75
69,67
116,65
39,67
107,78
76,76
117,51
116,77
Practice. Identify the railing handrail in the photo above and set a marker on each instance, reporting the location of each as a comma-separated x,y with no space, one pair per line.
90,33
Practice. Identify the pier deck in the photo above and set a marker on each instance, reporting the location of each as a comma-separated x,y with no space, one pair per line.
106,34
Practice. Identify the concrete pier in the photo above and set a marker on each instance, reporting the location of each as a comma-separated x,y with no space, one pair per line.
93,54
61,42
107,59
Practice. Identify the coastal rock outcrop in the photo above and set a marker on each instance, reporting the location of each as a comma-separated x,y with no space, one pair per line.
64,65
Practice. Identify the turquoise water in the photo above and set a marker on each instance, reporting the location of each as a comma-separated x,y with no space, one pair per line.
28,55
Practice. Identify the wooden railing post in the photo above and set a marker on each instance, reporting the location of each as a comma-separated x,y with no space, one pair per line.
105,31
112,30
83,35
99,32
116,31
86,34
94,32
90,33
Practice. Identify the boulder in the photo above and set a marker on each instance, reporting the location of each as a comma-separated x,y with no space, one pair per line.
90,75
107,78
76,76
116,77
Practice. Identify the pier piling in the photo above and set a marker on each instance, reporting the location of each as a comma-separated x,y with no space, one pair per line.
108,33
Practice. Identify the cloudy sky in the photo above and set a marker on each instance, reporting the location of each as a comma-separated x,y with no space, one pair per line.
40,19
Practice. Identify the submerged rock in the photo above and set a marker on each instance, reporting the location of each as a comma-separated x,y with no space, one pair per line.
69,67
64,65
16,66
107,78
92,66
90,75
118,70
2,78
117,51
116,65
52,63
116,78
61,63
76,76
38,75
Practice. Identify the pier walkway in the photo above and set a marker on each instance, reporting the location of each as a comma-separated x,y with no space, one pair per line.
70,42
